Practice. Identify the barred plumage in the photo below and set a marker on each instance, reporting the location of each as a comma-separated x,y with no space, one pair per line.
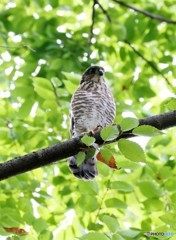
92,105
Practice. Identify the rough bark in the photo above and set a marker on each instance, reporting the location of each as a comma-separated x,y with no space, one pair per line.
71,147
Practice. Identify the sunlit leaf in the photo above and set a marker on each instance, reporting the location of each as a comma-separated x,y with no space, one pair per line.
110,221
121,186
43,83
131,150
93,236
43,88
106,157
73,77
80,157
94,226
146,130
129,123
172,104
90,187
71,87
88,203
153,204
117,237
87,140
115,203
168,218
149,189
106,154
45,47
109,133
129,233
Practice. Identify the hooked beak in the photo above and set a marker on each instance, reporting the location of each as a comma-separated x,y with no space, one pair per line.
100,72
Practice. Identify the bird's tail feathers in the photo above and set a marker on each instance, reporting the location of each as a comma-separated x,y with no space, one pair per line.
87,170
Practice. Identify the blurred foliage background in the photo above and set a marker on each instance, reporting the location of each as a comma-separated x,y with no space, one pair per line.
45,46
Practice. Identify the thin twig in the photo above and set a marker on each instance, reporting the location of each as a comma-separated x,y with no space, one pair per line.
55,93
103,197
93,18
146,13
93,22
104,11
150,63
20,46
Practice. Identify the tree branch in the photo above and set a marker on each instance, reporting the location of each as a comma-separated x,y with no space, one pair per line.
93,18
93,22
146,13
20,46
71,147
104,11
150,63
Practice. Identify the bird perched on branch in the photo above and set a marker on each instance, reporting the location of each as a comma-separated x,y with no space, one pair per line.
92,106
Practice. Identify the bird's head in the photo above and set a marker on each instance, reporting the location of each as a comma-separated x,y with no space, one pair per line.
93,74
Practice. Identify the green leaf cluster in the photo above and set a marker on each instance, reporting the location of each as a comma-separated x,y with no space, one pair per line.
44,49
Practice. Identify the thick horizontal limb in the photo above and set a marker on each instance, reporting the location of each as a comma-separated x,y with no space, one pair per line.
71,147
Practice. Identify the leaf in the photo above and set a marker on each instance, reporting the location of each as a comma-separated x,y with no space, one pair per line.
131,150
117,29
103,169
146,130
106,157
115,203
71,87
110,221
165,172
73,77
129,123
170,184
122,53
141,90
87,140
53,3
171,104
39,224
88,187
153,204
149,189
95,226
25,108
88,203
127,164
56,82
42,82
131,234
168,218
117,237
93,236
44,93
43,88
109,133
90,153
105,154
121,186
10,216
25,25
58,180
80,157
15,230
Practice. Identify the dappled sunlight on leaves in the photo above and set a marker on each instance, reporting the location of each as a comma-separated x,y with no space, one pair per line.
45,46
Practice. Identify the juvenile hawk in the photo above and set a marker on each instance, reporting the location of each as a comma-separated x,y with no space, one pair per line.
92,105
